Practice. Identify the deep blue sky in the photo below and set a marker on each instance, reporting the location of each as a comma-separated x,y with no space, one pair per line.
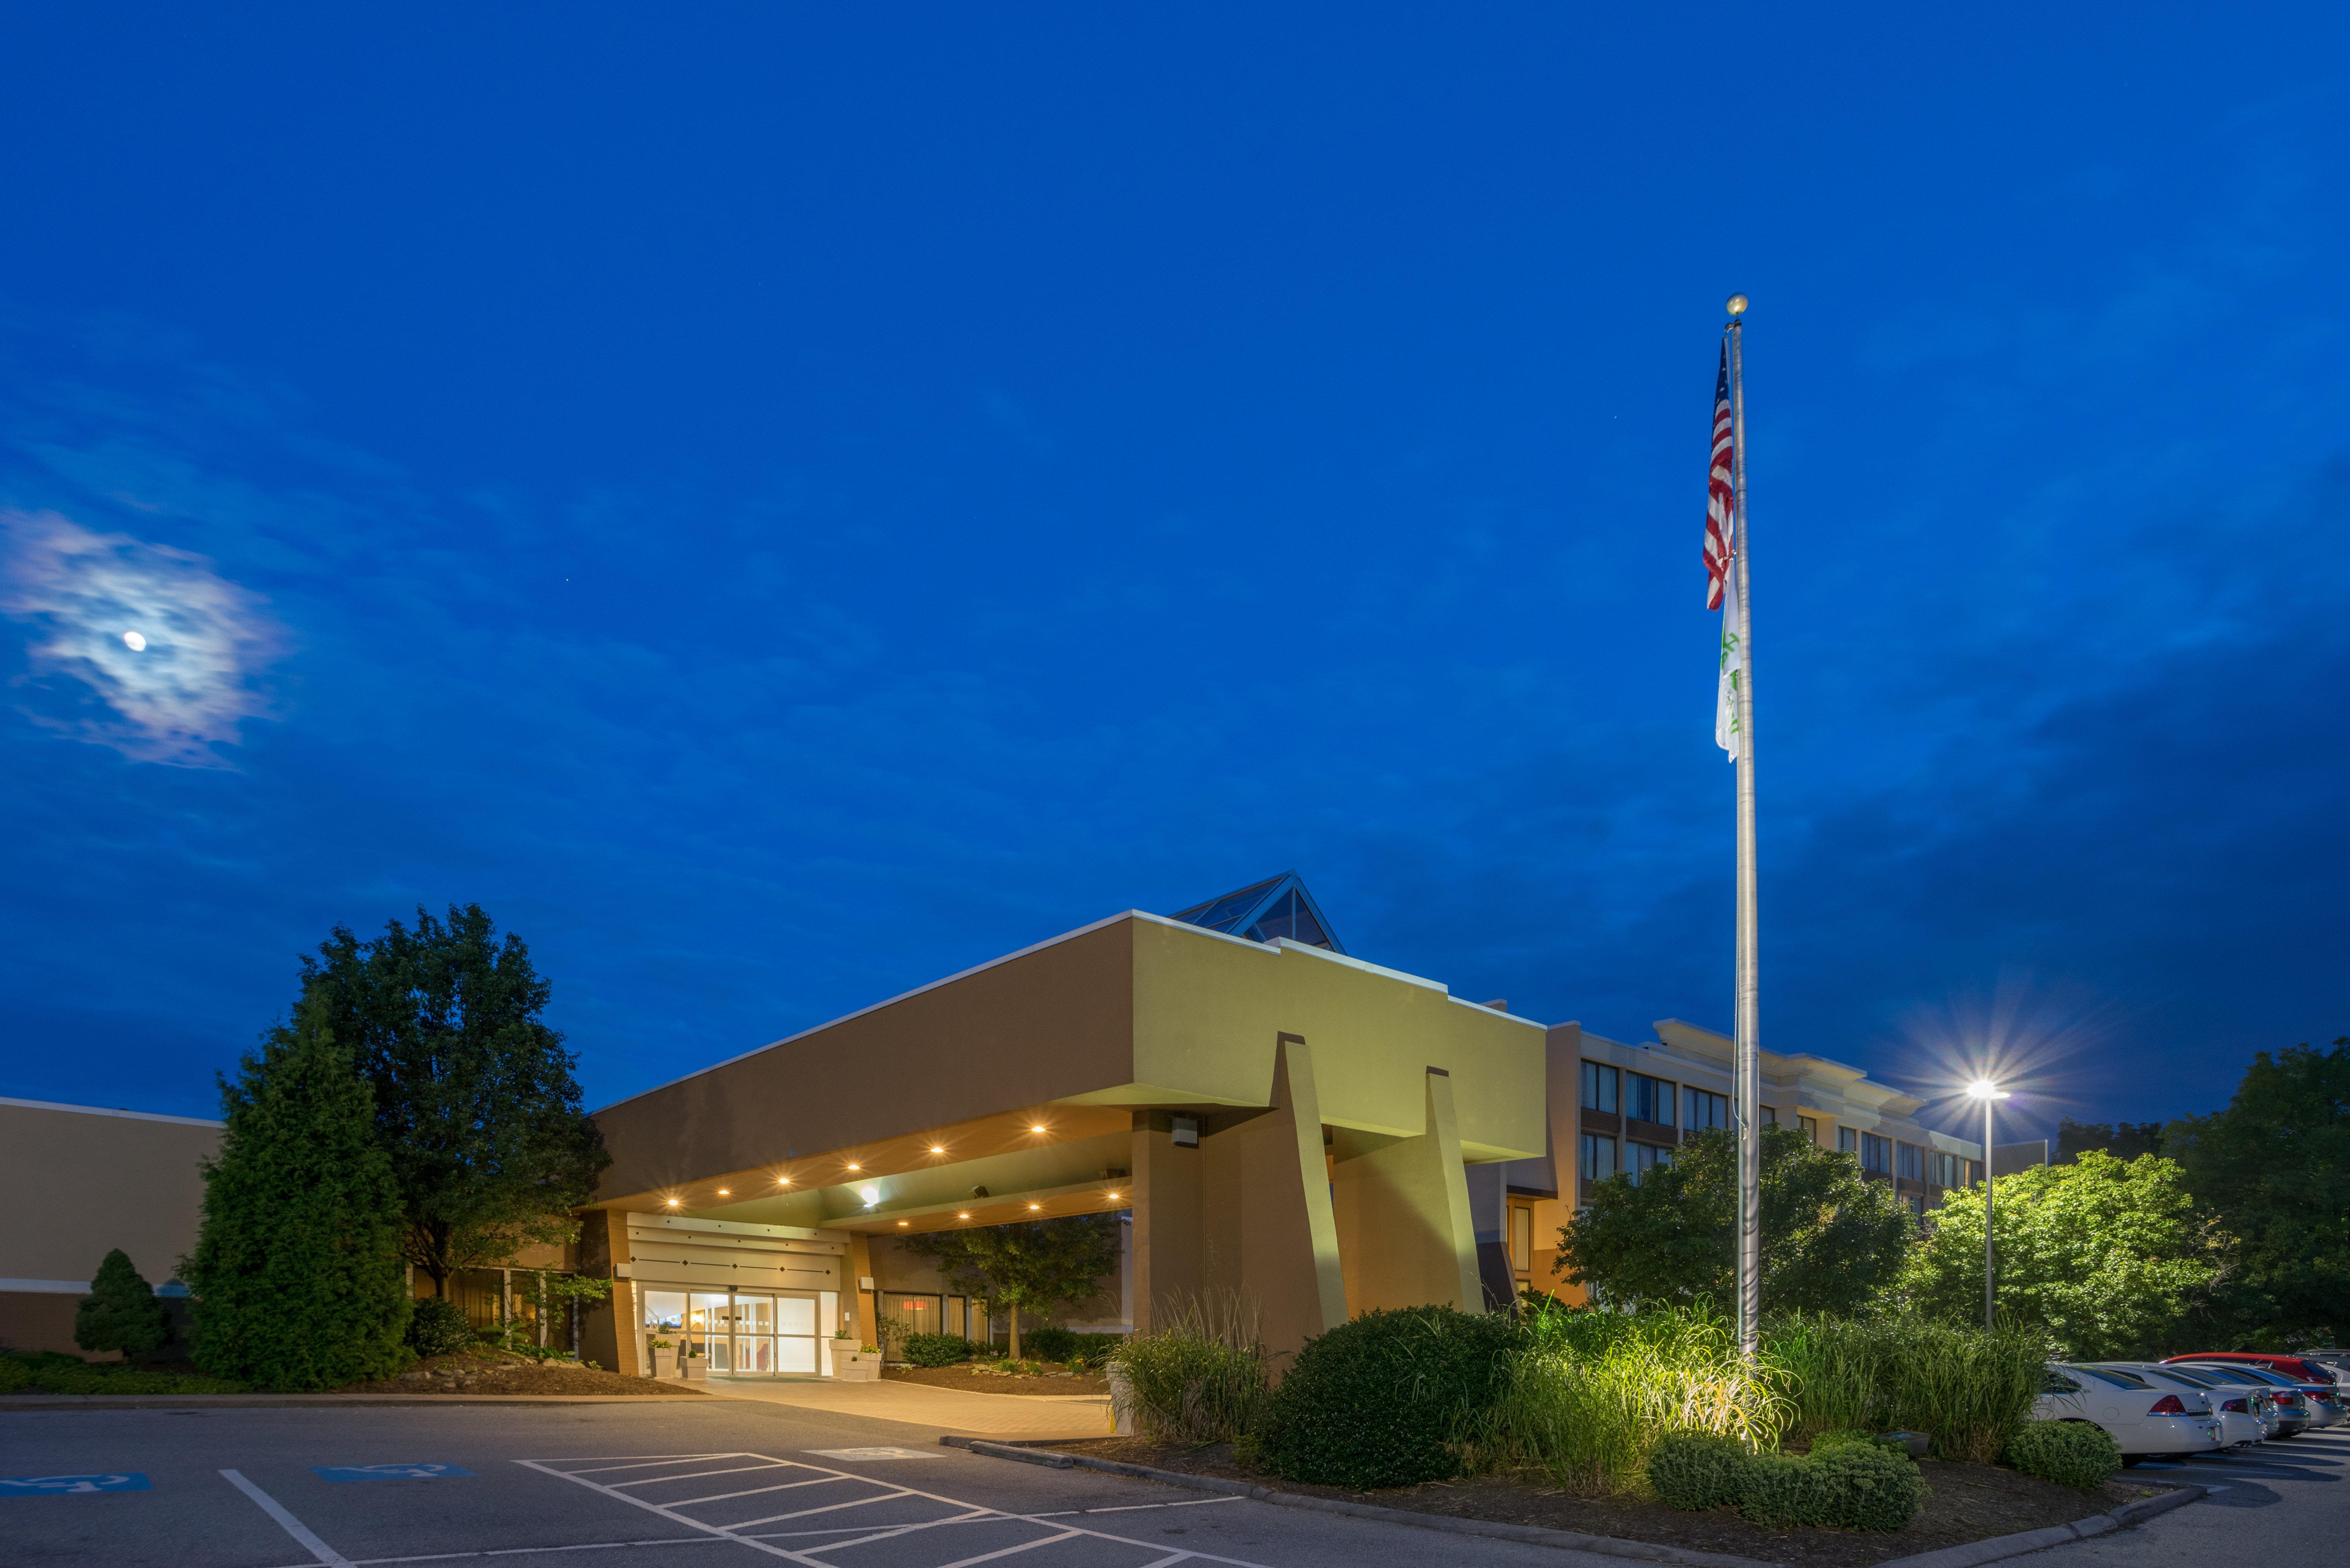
780,506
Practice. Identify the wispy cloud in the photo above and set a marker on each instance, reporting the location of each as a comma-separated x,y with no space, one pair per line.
170,648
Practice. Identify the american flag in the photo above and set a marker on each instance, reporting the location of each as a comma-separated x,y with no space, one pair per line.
1720,497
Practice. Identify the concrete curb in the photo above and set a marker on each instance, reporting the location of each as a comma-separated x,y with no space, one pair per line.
305,1401
1533,1534
2004,1546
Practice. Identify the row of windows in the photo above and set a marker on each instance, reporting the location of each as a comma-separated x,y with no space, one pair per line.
1601,1160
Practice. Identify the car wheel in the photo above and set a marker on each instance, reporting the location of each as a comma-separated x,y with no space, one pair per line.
2132,1461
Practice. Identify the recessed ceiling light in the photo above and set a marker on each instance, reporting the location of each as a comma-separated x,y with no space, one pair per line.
904,1223
729,1192
935,1148
963,1216
855,1167
1113,1195
672,1203
1035,1206
1038,1128
783,1181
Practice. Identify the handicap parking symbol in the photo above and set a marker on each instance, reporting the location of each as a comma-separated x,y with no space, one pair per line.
57,1486
387,1472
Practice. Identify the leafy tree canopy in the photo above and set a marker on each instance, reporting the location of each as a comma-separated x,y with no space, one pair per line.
296,1272
1037,1264
475,1104
2273,1170
2123,1140
2107,1255
1831,1239
120,1313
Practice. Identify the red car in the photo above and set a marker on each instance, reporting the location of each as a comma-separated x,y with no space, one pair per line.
2296,1367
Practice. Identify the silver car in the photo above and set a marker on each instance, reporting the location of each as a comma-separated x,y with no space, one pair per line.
2321,1403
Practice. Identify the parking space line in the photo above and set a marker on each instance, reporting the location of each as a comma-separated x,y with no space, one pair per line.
697,1475
1169,1558
533,1550
1133,1507
1009,1551
649,1464
756,1491
973,1514
291,1525
827,1508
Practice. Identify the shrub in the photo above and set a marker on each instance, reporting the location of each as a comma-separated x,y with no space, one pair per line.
71,1375
1838,1438
1851,1486
437,1326
120,1313
14,1374
1382,1401
1049,1343
1697,1470
2070,1453
938,1349
1199,1377
1590,1391
1094,1350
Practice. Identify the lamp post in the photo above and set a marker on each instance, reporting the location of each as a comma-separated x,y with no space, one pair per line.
1990,1094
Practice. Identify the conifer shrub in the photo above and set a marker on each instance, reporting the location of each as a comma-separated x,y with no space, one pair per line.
298,1275
1382,1401
437,1326
1697,1470
938,1349
2070,1453
120,1313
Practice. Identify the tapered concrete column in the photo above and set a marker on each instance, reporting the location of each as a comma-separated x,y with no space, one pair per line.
609,1335
1269,1233
1168,1246
1404,1220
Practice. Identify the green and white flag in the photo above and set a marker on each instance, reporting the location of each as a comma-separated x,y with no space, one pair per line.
1733,675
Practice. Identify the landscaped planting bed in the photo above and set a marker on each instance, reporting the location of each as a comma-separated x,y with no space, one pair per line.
1963,1502
979,1378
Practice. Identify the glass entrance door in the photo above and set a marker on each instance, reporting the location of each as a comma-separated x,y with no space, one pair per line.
709,1327
796,1330
755,1334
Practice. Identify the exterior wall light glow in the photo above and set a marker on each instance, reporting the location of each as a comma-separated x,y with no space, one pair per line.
872,1195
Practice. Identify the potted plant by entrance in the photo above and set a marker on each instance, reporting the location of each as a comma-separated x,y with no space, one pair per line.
697,1365
664,1358
855,1363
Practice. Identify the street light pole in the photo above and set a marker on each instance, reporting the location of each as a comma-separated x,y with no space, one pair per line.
1990,1094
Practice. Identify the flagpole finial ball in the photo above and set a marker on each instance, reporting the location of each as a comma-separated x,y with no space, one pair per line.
1737,305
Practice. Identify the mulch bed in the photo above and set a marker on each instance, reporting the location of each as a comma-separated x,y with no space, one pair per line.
977,1380
499,1373
1963,1503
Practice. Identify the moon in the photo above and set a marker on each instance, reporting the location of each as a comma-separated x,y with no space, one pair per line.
134,642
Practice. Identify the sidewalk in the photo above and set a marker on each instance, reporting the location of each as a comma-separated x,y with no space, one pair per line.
938,1409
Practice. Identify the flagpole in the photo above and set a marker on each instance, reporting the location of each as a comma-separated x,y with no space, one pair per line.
1749,1031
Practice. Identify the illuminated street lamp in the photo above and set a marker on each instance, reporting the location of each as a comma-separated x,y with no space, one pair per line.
1990,1094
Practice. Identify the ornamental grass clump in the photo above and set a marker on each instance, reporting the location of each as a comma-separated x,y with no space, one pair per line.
1386,1400
1967,1389
1198,1377
2070,1453
1590,1393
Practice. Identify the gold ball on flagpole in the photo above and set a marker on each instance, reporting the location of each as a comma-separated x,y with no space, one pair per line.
1737,304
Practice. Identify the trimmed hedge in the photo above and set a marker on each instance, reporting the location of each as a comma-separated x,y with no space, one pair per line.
1849,1481
1048,1344
938,1349
2070,1453
437,1326
1697,1470
1375,1402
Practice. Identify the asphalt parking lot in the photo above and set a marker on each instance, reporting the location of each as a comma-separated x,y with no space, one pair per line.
672,1483
2280,1502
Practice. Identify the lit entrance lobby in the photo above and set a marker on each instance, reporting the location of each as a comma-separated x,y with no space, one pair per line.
1280,1119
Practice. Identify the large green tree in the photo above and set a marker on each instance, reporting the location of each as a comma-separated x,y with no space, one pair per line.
2272,1171
120,1313
475,1104
2107,1255
296,1273
1037,1264
1831,1239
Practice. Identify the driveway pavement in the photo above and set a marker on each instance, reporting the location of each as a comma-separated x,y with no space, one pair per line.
679,1484
1007,1416
2282,1505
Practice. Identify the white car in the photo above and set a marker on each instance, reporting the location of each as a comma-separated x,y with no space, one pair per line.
2247,1412
2142,1421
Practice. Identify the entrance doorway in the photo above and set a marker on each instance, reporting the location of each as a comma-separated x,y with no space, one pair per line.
738,1333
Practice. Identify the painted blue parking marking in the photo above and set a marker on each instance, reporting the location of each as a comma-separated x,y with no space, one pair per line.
56,1486
387,1473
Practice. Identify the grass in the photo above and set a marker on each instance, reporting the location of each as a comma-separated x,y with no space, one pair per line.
1967,1389
47,1372
1199,1377
1590,1393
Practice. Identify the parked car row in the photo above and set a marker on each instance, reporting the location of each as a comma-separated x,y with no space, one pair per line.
2192,1404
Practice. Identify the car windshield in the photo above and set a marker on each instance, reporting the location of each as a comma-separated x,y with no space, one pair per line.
2252,1374
2114,1376
2180,1375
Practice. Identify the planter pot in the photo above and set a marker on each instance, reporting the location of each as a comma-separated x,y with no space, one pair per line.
697,1367
856,1365
665,1363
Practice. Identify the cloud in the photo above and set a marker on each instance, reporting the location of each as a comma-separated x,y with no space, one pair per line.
205,639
